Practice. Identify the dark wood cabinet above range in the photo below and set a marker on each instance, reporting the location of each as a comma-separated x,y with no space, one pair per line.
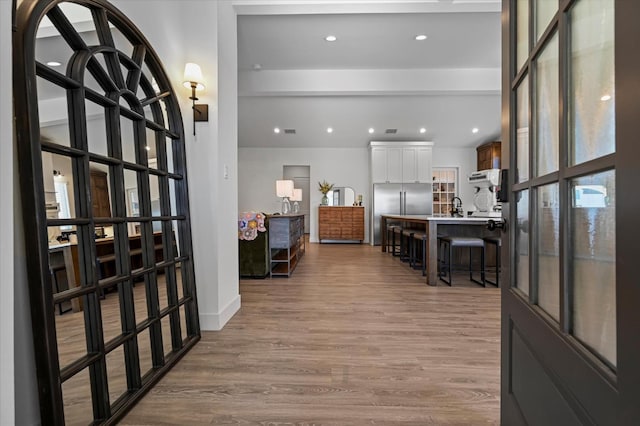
100,194
489,155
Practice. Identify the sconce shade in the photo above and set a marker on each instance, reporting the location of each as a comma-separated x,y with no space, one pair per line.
193,74
297,194
284,188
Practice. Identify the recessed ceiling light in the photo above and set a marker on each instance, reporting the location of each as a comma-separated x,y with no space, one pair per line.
605,97
54,63
257,67
331,38
371,130
276,130
329,129
475,130
421,37
423,130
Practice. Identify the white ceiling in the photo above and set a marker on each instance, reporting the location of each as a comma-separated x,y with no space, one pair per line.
375,75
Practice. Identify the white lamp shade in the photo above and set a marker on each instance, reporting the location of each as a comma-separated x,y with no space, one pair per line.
297,194
284,188
193,74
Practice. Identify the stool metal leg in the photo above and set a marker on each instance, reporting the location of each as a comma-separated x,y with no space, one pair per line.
497,269
482,281
498,260
424,256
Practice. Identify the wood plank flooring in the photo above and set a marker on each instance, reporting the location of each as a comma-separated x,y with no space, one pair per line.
354,337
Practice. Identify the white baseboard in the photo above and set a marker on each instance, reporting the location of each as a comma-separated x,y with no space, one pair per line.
215,322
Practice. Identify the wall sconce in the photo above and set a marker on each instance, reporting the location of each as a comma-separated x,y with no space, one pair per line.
193,80
284,189
297,196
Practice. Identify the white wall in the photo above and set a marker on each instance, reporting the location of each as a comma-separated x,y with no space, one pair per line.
7,413
259,168
178,36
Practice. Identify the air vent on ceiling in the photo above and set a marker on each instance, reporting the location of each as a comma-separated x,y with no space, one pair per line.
289,131
391,131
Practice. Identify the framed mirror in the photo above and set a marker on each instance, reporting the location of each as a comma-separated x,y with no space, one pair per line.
341,196
105,200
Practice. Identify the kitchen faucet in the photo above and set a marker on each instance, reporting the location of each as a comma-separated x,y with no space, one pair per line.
456,207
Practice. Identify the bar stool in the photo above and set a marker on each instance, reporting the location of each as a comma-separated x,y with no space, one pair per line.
406,248
391,238
420,239
448,244
53,270
396,230
497,242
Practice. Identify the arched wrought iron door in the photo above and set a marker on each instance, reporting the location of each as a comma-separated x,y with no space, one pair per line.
111,279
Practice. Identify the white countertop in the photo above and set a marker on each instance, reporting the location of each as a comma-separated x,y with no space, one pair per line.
430,218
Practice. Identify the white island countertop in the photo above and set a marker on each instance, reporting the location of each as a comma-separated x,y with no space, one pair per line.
430,218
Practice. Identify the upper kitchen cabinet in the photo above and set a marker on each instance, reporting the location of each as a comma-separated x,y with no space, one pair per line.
400,162
489,155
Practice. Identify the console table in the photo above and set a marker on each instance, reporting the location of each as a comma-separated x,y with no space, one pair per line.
341,223
286,243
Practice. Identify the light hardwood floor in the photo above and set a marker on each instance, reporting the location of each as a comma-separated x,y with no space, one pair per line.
354,337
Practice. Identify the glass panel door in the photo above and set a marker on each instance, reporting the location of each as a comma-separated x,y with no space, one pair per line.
570,309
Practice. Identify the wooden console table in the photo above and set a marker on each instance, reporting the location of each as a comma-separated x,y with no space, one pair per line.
341,223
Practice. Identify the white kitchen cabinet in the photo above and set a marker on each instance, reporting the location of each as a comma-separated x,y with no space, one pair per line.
409,165
401,162
378,164
423,164
394,165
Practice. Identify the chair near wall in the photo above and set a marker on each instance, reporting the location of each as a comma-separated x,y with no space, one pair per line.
253,255
449,243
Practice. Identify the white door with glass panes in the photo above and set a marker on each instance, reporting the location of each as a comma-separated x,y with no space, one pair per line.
570,303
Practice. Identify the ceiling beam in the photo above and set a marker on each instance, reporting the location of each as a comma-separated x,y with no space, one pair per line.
302,7
373,82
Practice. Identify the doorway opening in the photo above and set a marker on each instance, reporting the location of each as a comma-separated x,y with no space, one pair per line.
300,176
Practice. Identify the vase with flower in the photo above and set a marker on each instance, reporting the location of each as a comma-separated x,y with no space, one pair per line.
325,187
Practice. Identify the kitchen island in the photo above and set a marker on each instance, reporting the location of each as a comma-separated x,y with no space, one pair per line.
451,226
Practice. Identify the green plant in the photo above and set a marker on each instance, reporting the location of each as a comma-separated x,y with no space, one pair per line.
325,187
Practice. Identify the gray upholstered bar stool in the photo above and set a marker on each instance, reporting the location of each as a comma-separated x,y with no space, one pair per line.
420,240
391,237
396,238
406,245
497,242
448,244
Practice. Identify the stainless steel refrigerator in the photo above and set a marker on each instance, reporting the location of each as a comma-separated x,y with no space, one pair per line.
399,198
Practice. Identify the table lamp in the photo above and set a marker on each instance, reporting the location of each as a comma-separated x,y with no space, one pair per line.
297,196
284,189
